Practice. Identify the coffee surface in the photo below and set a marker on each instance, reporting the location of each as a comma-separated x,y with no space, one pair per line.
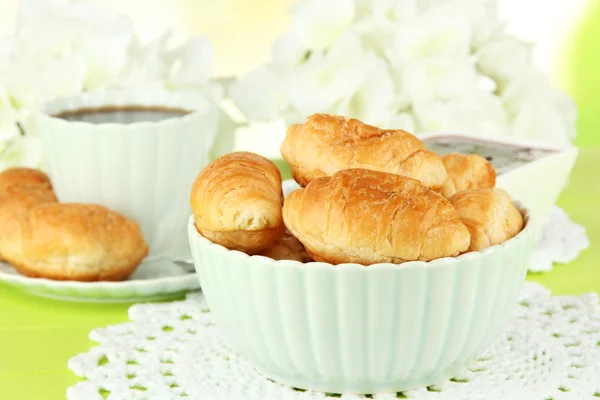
122,114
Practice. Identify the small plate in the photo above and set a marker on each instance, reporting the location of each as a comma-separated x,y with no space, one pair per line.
153,280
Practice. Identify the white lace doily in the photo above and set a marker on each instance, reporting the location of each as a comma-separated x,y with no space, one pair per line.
551,350
559,240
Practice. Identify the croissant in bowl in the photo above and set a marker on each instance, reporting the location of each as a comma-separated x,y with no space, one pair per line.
325,144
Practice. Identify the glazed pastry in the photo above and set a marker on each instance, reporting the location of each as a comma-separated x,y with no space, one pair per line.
490,216
287,247
79,242
23,178
237,200
467,172
366,217
325,144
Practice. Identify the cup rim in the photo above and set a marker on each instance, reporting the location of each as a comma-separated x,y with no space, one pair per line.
189,100
444,262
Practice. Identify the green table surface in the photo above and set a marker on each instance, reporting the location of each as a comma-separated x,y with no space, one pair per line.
39,335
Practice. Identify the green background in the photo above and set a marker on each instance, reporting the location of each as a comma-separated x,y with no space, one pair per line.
579,74
39,335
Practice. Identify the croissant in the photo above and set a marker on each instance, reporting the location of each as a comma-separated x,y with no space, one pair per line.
490,216
237,200
467,172
325,144
366,217
80,242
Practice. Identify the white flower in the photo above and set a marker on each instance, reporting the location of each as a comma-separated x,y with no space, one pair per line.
373,102
327,78
8,117
479,15
397,10
403,120
429,34
477,112
567,109
541,121
195,62
440,77
318,24
504,58
287,51
536,110
259,94
531,85
21,151
102,37
147,66
30,81
376,35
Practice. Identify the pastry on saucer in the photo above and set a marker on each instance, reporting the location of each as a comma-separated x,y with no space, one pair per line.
81,242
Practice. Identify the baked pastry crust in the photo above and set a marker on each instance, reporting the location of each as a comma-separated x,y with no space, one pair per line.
287,247
80,242
325,144
367,217
490,216
237,200
467,172
23,178
21,189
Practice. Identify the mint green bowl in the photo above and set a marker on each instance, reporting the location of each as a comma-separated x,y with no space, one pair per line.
355,329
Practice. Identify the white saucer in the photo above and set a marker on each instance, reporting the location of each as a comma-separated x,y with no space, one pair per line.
153,280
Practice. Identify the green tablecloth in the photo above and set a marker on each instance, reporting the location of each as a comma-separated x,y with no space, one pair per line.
39,335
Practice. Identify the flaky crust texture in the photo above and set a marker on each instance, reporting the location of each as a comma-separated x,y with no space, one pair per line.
490,216
81,242
21,189
23,177
238,193
367,217
325,144
467,172
287,247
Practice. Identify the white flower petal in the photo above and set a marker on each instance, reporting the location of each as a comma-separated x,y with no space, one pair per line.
540,121
376,35
476,112
378,8
504,58
148,65
326,79
259,94
531,85
373,102
567,109
287,51
318,24
429,34
403,120
22,151
196,61
439,77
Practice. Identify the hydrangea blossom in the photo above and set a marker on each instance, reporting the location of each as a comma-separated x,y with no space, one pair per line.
58,51
420,65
